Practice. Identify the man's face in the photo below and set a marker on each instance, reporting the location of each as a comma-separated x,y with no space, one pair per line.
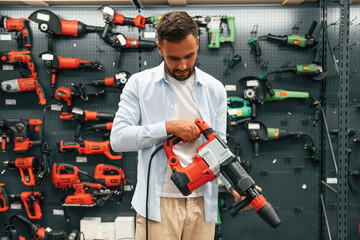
180,57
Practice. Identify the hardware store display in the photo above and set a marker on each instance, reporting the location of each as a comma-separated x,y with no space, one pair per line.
234,44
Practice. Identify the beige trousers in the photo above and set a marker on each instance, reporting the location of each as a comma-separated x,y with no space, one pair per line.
181,219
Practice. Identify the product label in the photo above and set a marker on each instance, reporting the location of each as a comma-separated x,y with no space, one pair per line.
43,17
10,101
230,87
5,37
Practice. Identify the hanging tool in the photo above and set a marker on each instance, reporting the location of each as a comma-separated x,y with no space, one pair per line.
82,116
4,198
83,199
121,43
109,175
236,59
118,81
24,85
154,19
239,110
23,35
89,148
314,70
255,49
111,17
306,41
64,174
27,166
31,201
20,59
20,132
260,133
212,158
213,25
51,24
78,91
57,62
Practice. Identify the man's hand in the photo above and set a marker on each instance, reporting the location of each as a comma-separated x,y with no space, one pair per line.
237,197
188,131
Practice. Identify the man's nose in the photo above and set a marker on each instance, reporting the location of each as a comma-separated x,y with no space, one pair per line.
182,65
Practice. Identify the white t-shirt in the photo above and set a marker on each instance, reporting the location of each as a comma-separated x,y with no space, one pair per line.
185,109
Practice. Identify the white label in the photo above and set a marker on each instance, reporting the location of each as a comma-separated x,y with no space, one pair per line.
230,87
252,83
121,39
120,75
47,57
77,111
232,111
5,37
331,180
43,17
10,101
8,67
58,212
81,159
127,188
108,10
253,126
15,206
149,35
55,107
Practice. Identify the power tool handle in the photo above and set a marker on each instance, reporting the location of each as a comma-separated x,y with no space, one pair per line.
4,198
312,28
106,30
40,93
27,35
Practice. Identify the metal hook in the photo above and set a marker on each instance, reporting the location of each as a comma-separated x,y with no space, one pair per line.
351,22
297,25
336,22
254,31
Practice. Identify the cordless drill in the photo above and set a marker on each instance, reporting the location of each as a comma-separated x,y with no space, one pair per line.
20,58
212,158
57,62
24,85
111,17
27,166
21,28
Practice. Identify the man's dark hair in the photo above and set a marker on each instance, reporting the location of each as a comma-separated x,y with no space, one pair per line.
176,26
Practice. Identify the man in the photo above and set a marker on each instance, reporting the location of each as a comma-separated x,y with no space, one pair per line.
164,101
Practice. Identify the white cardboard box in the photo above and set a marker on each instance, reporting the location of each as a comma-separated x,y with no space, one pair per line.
89,225
106,231
124,228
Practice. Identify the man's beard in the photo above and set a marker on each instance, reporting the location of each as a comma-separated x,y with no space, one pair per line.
174,71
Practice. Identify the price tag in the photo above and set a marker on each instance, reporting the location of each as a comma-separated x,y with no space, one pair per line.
55,107
47,57
5,37
331,180
10,101
81,159
15,206
58,212
252,83
127,188
149,35
230,87
8,67
253,126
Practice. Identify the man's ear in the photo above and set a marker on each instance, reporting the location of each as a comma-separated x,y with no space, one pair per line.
159,48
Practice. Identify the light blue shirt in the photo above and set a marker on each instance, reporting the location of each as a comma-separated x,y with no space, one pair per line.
147,101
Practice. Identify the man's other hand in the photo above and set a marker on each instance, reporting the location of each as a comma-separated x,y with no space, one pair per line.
188,131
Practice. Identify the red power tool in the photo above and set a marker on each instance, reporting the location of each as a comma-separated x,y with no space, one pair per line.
20,27
20,129
88,148
111,17
109,175
26,166
50,23
24,85
63,175
4,198
118,81
212,158
20,58
31,201
83,199
57,62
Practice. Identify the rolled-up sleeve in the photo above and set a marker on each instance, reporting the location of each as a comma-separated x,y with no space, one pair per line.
126,134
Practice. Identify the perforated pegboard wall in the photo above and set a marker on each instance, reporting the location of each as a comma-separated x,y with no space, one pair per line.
289,179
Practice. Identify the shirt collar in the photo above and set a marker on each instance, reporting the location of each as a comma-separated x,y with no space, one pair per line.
160,74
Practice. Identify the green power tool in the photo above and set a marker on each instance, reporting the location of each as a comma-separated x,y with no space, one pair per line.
306,41
260,133
314,70
213,25
154,19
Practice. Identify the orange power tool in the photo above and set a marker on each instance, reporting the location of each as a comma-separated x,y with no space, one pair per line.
212,158
109,175
24,85
57,62
118,81
20,58
31,201
88,148
4,198
26,166
20,27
